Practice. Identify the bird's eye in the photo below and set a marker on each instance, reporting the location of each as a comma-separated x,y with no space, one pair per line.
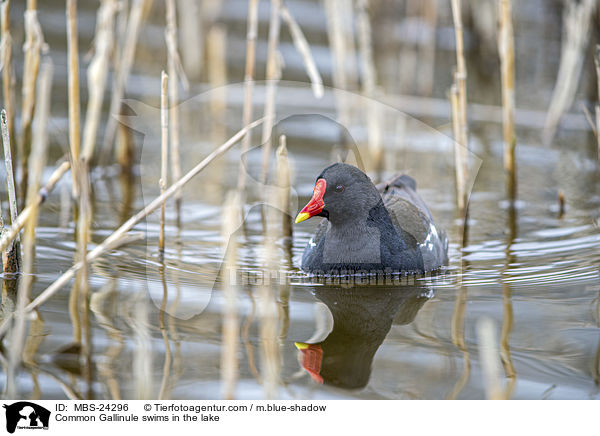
339,188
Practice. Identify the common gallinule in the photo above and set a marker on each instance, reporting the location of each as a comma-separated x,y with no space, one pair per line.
370,229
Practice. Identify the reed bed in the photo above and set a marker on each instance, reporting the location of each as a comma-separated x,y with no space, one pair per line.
120,235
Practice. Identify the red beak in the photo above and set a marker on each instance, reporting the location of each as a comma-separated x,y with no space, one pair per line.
312,356
316,203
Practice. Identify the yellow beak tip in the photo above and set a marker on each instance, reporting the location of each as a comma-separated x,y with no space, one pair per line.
302,216
301,345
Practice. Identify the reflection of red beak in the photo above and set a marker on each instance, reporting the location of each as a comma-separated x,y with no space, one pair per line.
316,203
312,355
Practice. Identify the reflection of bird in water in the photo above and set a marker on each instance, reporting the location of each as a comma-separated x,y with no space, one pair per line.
362,317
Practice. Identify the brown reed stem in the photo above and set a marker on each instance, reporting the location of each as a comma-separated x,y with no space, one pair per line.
74,101
597,105
231,327
283,185
273,75
34,42
137,14
251,34
175,73
368,77
460,112
8,79
13,254
39,148
97,74
506,49
426,67
303,48
192,28
577,18
120,233
164,128
217,77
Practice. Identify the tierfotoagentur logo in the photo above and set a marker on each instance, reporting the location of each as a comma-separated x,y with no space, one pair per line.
25,415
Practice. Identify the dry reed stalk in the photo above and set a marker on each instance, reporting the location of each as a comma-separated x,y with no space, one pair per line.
74,101
506,49
337,42
97,74
284,205
78,301
408,60
192,26
268,313
272,76
24,216
139,9
426,67
164,156
303,48
461,73
346,11
597,106
248,86
231,325
489,357
125,149
577,19
175,73
117,236
11,258
32,48
217,77
39,150
216,65
459,151
283,185
8,79
369,81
